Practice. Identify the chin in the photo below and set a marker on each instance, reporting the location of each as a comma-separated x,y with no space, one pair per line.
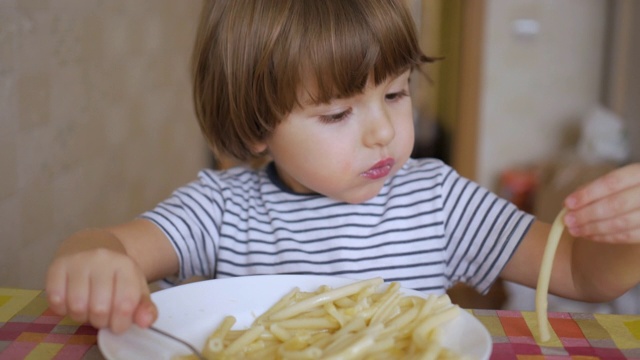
362,196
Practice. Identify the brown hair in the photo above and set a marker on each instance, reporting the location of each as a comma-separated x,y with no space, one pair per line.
251,57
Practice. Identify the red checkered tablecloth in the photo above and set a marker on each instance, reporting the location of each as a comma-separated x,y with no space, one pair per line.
574,336
29,330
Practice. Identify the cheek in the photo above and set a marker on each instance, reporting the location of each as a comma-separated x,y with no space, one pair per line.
334,155
405,132
317,156
328,162
409,136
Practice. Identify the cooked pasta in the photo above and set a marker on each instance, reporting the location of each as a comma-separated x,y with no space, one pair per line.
542,289
356,321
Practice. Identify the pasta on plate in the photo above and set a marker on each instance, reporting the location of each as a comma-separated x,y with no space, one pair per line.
361,320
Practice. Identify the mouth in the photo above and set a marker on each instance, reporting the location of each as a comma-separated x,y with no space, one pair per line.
381,169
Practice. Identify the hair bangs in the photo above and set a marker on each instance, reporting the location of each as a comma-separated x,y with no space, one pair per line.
349,42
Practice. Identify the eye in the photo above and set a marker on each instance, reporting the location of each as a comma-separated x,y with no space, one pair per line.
334,118
396,96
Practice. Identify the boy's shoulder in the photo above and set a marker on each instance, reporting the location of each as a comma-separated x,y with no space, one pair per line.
239,175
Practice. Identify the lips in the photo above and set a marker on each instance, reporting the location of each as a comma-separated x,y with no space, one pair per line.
381,169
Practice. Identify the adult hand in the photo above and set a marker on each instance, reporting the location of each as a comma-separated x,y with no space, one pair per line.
608,208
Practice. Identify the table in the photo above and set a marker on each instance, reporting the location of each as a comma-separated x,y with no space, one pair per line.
29,330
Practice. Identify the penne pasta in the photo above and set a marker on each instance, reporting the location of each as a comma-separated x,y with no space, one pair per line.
542,289
323,298
355,321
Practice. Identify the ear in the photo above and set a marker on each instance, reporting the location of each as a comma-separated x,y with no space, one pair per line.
259,147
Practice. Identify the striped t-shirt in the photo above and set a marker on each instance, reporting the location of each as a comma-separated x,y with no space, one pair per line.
428,228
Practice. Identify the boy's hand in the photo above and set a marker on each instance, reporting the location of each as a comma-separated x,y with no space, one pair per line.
607,209
101,286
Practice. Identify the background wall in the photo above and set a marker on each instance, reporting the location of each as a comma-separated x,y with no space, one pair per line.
537,88
623,81
96,121
632,113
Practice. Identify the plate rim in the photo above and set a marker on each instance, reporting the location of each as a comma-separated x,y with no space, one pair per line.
105,335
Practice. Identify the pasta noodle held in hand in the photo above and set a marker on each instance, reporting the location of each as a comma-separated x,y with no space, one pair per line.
355,321
542,289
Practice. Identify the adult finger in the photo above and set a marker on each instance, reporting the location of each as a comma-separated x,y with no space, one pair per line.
623,224
626,237
609,207
613,182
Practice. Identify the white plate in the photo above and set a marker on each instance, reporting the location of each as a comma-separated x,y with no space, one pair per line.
194,310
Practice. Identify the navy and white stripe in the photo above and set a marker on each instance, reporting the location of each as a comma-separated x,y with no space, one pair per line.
428,229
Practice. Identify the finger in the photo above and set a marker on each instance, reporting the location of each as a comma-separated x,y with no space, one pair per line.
126,296
613,182
625,237
56,288
100,299
78,296
609,207
616,225
146,313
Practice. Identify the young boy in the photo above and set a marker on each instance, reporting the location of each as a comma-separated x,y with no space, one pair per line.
323,88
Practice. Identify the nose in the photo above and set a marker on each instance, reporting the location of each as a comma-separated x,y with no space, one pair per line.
379,129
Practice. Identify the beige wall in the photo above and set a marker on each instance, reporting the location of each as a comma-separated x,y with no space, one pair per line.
536,88
632,113
96,122
623,82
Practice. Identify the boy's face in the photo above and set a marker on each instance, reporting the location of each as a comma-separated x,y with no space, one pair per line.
348,148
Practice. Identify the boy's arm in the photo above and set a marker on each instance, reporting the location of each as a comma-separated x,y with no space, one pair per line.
139,239
582,269
149,247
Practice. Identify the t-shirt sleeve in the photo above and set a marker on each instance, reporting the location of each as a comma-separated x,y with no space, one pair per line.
482,230
190,218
